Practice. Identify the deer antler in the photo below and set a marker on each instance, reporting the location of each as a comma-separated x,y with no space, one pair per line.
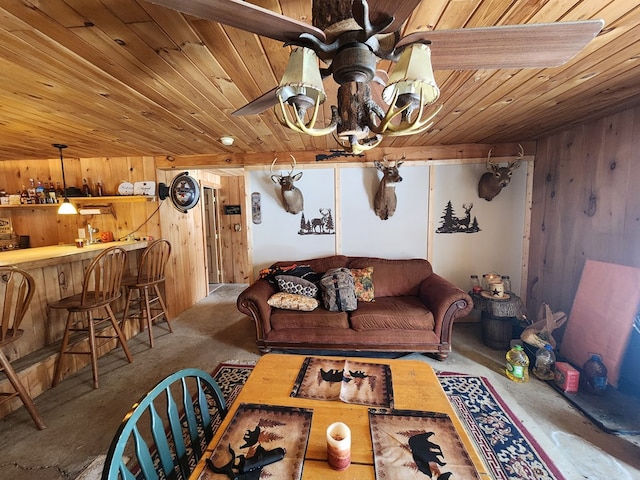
272,164
518,160
293,165
489,162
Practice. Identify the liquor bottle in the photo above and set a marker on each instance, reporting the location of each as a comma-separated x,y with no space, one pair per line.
31,191
99,191
24,196
59,192
86,190
49,193
40,198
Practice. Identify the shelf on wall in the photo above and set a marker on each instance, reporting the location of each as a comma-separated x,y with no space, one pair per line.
90,201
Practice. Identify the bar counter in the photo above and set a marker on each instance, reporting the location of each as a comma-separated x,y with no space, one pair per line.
29,258
58,272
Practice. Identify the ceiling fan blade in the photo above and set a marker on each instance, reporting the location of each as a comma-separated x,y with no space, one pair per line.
511,46
246,16
400,11
258,105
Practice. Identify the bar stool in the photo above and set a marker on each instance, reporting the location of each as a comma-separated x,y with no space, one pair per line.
150,275
101,287
16,291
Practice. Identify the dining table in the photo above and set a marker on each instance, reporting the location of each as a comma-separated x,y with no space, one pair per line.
415,387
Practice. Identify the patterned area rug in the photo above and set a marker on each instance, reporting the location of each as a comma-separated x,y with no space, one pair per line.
509,451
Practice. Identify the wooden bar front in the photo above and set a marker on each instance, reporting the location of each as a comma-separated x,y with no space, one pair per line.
58,272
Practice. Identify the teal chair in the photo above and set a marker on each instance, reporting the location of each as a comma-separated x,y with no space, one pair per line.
164,437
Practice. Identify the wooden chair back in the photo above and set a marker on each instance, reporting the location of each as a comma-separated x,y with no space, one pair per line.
182,406
153,262
16,291
103,279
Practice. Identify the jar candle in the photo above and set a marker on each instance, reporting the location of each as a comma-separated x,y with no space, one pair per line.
339,446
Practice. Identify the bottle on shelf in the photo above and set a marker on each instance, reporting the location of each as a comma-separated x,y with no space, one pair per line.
99,192
24,196
49,192
59,192
594,375
517,367
31,191
40,198
86,189
545,362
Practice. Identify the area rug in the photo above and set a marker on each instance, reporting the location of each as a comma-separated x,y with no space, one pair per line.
508,449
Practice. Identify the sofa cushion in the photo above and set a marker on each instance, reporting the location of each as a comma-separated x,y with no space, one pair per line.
363,280
395,278
297,285
406,313
318,318
291,301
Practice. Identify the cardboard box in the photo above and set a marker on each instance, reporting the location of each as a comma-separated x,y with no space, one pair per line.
567,377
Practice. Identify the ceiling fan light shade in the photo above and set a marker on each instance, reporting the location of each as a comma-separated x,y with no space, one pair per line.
413,76
302,78
67,208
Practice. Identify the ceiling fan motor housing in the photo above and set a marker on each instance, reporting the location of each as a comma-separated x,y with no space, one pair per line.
354,63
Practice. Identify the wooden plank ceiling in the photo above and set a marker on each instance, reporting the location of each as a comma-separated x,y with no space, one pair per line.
129,78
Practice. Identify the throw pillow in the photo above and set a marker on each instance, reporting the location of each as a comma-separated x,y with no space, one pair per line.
363,278
296,285
290,301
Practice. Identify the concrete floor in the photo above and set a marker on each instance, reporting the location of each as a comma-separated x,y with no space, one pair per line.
81,421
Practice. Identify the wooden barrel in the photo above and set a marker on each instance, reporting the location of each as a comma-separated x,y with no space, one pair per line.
496,331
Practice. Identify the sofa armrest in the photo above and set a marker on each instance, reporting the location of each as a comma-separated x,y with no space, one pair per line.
446,301
253,303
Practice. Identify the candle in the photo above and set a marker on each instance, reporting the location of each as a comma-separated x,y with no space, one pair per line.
338,446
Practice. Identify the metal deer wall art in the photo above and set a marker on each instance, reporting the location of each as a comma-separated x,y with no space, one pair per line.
291,195
385,201
492,182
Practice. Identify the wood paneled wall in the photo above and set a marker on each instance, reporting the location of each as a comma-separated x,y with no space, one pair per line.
186,273
586,205
236,267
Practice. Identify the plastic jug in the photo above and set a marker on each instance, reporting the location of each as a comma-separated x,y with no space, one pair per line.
545,361
517,368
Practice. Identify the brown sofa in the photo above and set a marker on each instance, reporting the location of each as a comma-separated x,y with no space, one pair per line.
413,311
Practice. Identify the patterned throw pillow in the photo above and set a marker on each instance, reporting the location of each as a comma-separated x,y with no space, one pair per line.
364,283
296,285
290,301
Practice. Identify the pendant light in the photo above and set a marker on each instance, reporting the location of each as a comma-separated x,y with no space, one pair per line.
66,207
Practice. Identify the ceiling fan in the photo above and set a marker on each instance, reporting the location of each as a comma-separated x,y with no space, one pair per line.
351,36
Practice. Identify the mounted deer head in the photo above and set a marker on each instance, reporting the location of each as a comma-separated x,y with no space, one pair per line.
291,196
492,182
385,201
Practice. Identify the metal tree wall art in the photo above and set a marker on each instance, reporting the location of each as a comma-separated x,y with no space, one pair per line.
452,224
322,225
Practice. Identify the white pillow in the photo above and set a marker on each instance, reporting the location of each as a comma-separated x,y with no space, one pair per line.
291,301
